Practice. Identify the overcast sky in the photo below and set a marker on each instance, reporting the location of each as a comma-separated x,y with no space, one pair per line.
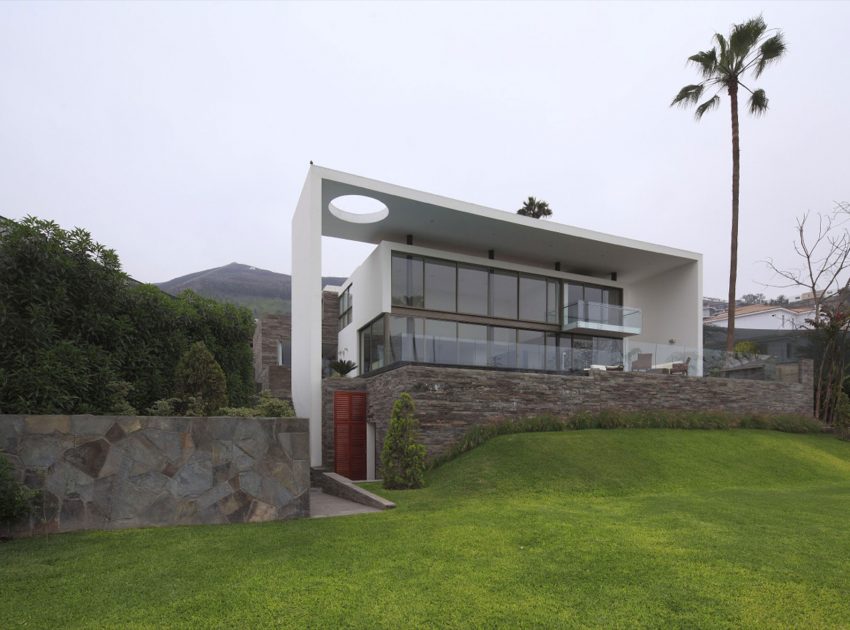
180,133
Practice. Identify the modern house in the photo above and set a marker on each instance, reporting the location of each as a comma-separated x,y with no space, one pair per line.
456,284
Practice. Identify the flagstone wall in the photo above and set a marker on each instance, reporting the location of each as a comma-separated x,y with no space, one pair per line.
110,472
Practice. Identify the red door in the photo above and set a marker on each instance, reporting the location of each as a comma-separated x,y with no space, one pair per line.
350,434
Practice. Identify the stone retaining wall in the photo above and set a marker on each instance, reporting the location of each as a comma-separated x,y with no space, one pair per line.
451,400
110,472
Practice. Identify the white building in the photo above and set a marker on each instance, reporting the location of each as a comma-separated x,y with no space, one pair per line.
764,317
455,283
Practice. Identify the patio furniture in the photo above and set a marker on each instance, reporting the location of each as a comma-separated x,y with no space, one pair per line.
643,363
681,368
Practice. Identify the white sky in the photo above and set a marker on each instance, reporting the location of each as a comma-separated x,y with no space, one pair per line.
179,133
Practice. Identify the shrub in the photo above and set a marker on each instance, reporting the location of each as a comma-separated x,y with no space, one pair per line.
343,367
15,498
199,376
746,347
403,457
267,406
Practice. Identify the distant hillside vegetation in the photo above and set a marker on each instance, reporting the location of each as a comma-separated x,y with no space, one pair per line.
264,292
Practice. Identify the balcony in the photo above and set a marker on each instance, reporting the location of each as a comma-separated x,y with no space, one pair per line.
594,318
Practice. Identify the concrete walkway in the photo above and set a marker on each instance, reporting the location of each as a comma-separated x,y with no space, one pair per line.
322,505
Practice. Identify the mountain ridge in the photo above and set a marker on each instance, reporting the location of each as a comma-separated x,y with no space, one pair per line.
264,292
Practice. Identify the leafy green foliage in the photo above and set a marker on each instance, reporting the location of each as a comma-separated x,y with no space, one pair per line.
199,376
535,208
267,406
403,457
746,347
343,366
15,498
77,336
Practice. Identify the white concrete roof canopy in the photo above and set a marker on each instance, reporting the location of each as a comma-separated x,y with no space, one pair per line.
450,224
461,228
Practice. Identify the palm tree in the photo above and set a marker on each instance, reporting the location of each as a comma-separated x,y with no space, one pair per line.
535,209
748,48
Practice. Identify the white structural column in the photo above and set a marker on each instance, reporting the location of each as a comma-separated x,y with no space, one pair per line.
307,311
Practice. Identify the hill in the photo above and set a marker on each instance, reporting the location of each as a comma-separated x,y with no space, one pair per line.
263,291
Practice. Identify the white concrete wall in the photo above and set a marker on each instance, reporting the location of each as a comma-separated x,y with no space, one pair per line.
671,304
371,295
307,312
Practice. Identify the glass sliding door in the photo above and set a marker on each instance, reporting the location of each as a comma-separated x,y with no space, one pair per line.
472,290
502,347
440,286
472,344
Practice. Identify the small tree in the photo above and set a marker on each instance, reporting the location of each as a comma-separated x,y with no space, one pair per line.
403,457
824,250
199,376
535,208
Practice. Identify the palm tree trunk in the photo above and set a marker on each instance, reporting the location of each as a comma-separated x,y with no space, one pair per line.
736,184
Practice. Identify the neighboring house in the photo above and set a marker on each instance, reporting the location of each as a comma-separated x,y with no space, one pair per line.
764,317
272,346
453,283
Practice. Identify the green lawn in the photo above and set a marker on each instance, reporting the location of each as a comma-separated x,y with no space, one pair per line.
585,528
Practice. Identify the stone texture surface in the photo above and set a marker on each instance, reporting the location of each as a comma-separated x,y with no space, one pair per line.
100,472
273,328
451,400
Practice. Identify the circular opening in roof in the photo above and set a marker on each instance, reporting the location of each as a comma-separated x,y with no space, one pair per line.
358,209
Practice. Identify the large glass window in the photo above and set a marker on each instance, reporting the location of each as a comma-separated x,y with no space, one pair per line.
553,302
551,352
407,339
345,304
532,299
440,341
372,346
503,294
407,279
607,351
440,278
531,349
472,344
582,352
502,347
597,299
472,286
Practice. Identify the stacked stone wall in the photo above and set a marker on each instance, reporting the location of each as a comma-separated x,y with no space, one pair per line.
105,472
449,401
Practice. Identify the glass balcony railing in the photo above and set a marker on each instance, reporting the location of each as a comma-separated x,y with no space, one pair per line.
590,317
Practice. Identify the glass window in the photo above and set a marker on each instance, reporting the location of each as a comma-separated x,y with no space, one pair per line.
365,347
607,351
565,353
503,294
531,349
553,302
284,353
407,281
552,352
472,290
345,303
532,299
376,352
472,344
407,339
582,352
440,278
440,341
502,347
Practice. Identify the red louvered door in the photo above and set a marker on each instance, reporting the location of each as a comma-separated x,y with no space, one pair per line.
350,434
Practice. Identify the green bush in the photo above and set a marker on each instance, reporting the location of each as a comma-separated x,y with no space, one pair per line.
15,498
616,419
746,347
267,406
403,457
75,328
199,376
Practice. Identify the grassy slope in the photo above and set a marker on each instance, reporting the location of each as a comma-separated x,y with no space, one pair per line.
654,527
